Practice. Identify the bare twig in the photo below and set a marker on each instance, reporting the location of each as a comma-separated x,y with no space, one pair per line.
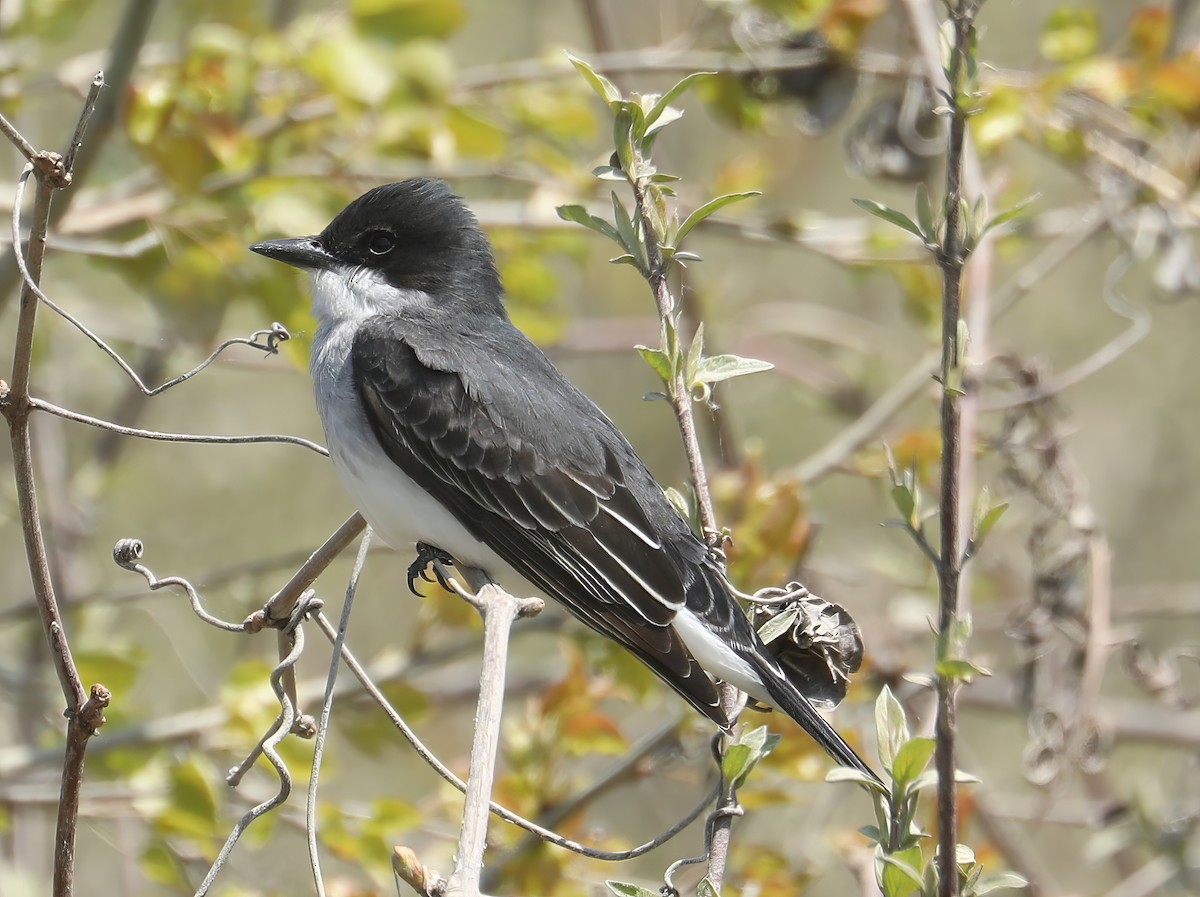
81,126
200,438
910,384
657,275
507,815
339,643
18,140
951,257
85,713
499,611
122,58
127,553
271,336
280,606
622,771
654,60
280,731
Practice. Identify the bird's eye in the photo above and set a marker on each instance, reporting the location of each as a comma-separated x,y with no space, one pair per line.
380,243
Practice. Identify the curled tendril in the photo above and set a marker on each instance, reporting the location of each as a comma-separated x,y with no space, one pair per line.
127,553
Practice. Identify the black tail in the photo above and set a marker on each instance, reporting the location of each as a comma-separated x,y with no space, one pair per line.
786,697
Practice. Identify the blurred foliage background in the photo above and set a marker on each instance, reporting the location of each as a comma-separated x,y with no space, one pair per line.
230,122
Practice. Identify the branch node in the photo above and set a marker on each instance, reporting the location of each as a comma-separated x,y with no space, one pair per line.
50,170
416,874
91,714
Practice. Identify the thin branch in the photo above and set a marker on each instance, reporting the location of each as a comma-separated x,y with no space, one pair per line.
84,722
197,438
625,769
951,256
655,60
1139,327
85,712
504,813
339,644
23,353
910,384
9,130
81,126
273,335
280,606
127,553
499,611
721,823
281,730
122,58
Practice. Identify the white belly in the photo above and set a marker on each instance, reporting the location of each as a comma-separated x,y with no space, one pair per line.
399,511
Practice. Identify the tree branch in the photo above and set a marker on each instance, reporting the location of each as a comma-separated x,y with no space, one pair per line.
85,713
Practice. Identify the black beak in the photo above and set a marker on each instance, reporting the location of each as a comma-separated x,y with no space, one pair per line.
306,253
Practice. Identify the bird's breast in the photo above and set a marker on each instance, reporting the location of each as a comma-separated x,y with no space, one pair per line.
399,510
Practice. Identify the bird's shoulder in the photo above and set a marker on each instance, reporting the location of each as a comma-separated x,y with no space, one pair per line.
488,380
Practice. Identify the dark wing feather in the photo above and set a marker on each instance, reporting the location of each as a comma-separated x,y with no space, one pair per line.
566,516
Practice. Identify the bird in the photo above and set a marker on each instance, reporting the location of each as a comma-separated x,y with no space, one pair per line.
453,433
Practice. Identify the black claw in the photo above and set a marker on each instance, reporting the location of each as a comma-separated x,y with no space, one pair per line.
426,555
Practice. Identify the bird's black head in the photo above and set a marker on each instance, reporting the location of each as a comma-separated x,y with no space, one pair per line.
414,234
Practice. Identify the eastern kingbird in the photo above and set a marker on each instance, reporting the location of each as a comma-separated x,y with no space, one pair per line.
451,430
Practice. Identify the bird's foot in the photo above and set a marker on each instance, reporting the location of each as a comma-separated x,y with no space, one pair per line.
426,555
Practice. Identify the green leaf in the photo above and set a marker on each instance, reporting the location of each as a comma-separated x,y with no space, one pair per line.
678,500
778,625
905,502
759,739
665,118
891,727
737,762
622,889
580,215
925,214
609,173
715,368
961,670
628,126
964,855
911,760
707,889
900,872
890,215
857,776
1000,881
928,779
659,361
985,518
192,806
713,205
604,88
680,88
740,758
628,233
1009,214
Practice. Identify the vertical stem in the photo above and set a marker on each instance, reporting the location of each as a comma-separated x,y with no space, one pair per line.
681,400
951,260
17,410
498,610
85,714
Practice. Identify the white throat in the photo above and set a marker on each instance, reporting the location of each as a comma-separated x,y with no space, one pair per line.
357,293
